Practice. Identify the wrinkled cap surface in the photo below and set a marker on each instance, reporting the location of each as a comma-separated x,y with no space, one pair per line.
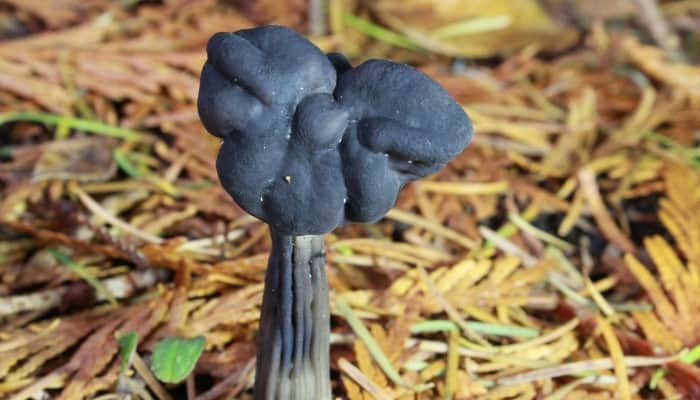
311,143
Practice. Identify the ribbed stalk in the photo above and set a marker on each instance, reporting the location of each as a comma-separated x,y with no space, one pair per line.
293,350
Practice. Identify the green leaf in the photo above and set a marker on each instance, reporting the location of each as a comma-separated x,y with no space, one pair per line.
127,348
174,358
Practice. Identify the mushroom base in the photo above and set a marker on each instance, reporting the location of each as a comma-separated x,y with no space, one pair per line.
293,349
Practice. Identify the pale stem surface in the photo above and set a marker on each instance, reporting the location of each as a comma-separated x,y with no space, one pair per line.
293,350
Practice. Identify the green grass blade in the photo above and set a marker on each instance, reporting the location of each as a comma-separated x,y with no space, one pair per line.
126,165
127,348
441,325
72,123
84,274
374,349
380,33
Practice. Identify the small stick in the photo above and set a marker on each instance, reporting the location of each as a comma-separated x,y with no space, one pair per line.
143,370
191,391
654,19
317,18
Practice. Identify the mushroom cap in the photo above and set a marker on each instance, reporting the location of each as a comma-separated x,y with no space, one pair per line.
311,143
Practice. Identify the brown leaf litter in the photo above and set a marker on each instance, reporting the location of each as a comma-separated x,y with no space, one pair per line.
557,258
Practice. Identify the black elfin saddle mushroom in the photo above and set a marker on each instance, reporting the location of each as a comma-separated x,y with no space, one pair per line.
311,143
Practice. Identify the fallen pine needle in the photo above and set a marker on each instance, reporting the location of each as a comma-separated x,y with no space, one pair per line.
221,388
471,26
562,392
86,275
598,298
362,380
507,246
545,338
617,357
448,308
437,229
145,373
452,365
527,227
98,210
378,32
600,213
581,367
689,357
372,346
465,188
558,282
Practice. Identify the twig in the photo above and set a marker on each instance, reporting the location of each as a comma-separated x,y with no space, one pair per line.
97,209
220,388
148,377
449,309
580,367
362,380
507,246
617,357
374,349
605,222
191,390
432,226
661,31
317,18
121,287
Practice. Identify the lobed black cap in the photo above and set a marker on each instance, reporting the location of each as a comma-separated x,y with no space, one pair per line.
311,143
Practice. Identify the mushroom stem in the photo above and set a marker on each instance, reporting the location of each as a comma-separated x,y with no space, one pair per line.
293,349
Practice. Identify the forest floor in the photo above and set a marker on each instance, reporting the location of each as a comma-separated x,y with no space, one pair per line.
558,257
